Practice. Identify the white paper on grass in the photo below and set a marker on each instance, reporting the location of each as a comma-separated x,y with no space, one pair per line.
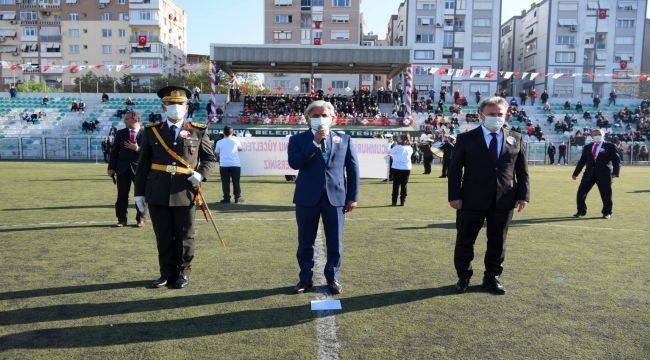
326,305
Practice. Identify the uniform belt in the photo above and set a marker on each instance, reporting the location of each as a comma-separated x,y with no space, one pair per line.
172,169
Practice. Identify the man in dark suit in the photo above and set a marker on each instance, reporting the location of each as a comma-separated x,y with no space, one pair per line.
488,178
447,151
551,153
327,186
176,156
601,162
123,162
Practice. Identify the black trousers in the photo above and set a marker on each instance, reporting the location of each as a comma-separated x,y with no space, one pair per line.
605,189
400,182
561,157
427,160
228,173
551,158
468,225
174,228
122,204
445,166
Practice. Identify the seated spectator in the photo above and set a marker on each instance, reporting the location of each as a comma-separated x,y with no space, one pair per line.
513,102
74,106
104,97
567,105
82,106
579,106
129,101
586,115
41,114
547,107
46,100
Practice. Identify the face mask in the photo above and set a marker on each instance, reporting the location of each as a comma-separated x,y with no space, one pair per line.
175,112
493,123
597,138
316,123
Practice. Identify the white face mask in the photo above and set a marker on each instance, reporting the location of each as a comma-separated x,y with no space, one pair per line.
597,138
323,122
493,123
175,112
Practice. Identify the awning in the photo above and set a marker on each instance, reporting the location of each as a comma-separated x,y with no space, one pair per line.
8,48
7,32
7,15
624,57
568,22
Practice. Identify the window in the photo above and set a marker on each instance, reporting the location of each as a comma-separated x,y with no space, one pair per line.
121,2
282,35
623,57
28,16
481,39
424,38
564,70
286,84
420,70
627,5
283,19
449,4
341,18
317,3
625,23
122,16
29,31
563,90
426,5
340,35
106,16
565,40
482,23
567,6
426,21
73,32
624,40
121,33
74,49
448,39
122,49
565,57
107,49
283,2
339,84
423,54
73,16
480,55
107,33
340,3
482,5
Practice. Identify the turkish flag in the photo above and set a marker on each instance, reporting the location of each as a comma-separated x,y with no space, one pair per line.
442,71
316,41
516,74
602,14
623,64
491,74
142,40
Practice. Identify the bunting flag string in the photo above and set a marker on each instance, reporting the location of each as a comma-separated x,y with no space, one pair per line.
507,75
51,68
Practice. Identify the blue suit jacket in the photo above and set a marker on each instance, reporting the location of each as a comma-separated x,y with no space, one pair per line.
338,175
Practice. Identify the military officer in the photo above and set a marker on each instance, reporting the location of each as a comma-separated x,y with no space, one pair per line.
176,156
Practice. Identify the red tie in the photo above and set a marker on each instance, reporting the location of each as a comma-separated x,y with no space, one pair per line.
132,136
594,151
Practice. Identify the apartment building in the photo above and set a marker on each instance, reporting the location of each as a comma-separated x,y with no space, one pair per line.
51,33
396,32
455,34
577,37
312,23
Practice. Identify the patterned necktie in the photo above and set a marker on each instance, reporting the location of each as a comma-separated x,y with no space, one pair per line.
594,151
132,135
494,151
172,132
323,149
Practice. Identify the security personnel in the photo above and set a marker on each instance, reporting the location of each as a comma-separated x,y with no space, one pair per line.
176,156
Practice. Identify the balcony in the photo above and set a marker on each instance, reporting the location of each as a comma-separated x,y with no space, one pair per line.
51,54
150,38
50,6
50,38
50,22
28,22
28,5
144,22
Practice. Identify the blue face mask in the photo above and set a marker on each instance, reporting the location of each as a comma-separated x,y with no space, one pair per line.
493,123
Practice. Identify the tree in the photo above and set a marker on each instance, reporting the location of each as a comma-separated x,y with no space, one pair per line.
33,86
93,83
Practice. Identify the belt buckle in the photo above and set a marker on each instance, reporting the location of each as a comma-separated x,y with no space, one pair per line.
171,169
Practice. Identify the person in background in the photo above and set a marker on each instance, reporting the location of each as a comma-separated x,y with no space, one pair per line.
533,96
427,154
104,97
447,150
432,94
544,97
561,156
389,145
46,100
523,96
477,95
551,153
596,101
602,163
197,93
190,110
13,91
129,101
401,167
123,162
228,150
612,98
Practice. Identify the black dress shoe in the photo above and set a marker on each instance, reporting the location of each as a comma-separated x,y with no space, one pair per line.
493,285
181,282
303,287
579,214
160,282
334,287
462,285
224,201
607,216
239,200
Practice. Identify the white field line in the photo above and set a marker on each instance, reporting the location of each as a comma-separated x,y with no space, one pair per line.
328,342
405,220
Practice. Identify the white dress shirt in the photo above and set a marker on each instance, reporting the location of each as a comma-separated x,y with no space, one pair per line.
179,127
228,149
487,135
317,144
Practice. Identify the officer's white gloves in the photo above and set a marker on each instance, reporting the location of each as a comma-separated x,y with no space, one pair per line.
195,178
141,203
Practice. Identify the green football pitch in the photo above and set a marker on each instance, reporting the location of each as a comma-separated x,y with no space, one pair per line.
73,286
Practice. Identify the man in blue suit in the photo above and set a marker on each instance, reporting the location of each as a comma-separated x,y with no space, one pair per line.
327,186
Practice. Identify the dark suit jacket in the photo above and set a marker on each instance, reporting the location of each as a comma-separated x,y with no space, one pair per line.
162,188
607,163
476,180
338,175
123,159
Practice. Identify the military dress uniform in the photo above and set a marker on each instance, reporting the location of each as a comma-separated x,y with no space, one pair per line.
163,180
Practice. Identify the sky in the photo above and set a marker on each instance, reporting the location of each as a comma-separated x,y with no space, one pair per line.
242,21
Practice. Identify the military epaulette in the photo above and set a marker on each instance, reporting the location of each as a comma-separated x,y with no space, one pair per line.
199,125
152,124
